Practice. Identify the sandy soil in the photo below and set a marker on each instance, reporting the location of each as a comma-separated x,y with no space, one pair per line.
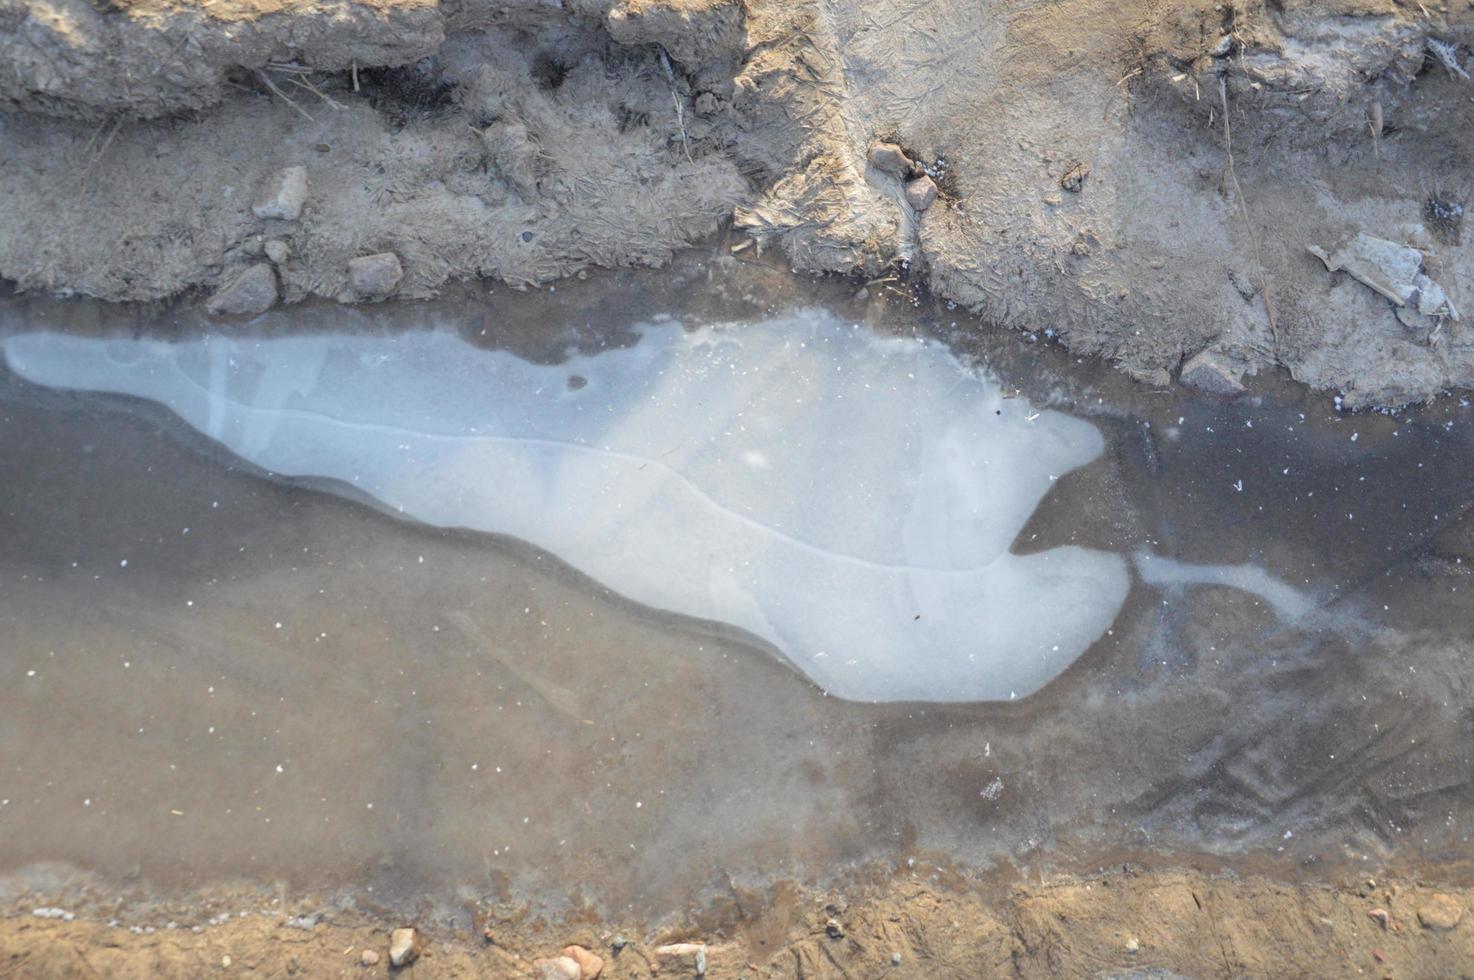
524,141
1117,924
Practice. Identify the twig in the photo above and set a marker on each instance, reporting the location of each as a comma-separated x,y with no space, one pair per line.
101,150
284,96
305,83
670,76
355,74
1244,206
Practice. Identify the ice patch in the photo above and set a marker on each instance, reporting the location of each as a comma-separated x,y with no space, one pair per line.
851,499
1289,603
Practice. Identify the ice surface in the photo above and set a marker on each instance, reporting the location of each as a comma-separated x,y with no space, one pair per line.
1289,603
851,499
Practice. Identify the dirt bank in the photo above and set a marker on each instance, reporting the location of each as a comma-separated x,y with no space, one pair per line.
1142,179
1118,924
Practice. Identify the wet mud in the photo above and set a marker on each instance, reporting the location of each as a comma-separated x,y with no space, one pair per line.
213,676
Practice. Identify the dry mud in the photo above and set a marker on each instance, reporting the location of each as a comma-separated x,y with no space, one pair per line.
525,141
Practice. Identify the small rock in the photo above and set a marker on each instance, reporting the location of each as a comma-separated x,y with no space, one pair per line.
618,943
368,958
1222,47
590,965
1442,912
375,275
404,946
895,959
834,929
1074,178
253,291
225,961
890,158
1379,916
277,251
688,957
283,196
921,193
557,968
1206,371
1133,945
1053,200
1243,285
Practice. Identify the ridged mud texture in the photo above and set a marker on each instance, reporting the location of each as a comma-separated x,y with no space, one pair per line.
1142,179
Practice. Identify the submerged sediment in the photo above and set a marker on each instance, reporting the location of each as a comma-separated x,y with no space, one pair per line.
1145,182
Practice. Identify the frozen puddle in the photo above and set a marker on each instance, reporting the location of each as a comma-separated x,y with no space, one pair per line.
851,499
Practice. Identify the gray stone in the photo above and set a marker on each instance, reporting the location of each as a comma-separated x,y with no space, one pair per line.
253,291
277,251
921,193
1207,371
890,158
283,196
375,275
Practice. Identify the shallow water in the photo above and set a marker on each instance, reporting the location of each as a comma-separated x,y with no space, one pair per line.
307,685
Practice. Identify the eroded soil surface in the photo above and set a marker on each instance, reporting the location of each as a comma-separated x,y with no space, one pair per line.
1143,179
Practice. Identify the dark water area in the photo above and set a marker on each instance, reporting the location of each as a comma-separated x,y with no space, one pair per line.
310,687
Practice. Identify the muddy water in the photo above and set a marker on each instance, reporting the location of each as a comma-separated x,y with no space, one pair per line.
307,687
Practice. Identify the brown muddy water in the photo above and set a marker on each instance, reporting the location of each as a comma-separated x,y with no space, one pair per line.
309,688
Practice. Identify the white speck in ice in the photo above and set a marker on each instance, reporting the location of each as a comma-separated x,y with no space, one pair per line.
280,769
1238,485
123,563
30,673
